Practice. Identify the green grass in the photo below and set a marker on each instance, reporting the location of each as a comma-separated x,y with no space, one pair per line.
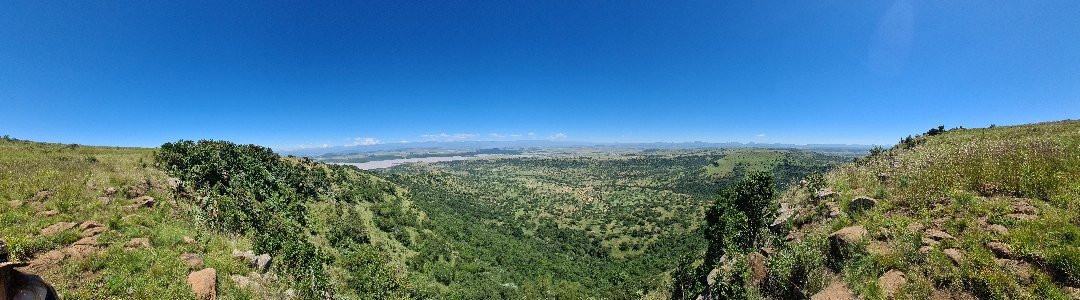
955,182
78,176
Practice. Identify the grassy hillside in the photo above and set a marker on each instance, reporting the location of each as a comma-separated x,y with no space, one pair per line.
955,214
46,184
331,230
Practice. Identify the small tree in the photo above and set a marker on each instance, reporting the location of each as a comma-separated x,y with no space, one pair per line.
740,215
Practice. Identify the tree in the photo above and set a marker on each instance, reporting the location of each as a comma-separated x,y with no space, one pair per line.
740,215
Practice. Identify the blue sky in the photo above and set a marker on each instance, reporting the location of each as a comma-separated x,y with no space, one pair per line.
285,74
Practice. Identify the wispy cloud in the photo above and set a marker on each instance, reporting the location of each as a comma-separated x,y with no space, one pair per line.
760,135
558,136
445,137
365,141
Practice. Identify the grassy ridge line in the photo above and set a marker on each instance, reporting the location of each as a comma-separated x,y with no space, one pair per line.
966,183
77,176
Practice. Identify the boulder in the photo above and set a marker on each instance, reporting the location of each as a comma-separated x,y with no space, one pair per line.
891,283
998,229
57,228
955,255
844,241
87,241
188,240
143,202
756,261
862,203
204,284
262,263
834,210
244,256
835,291
1000,249
785,212
174,183
194,261
137,243
15,203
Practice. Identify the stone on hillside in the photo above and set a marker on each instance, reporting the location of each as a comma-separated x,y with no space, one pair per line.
81,251
188,240
955,255
842,242
57,228
862,203
834,210
891,283
194,261
1024,207
1073,293
794,236
835,291
998,229
204,284
174,183
42,196
824,194
143,202
87,241
105,200
109,191
1000,249
92,231
138,243
244,256
756,261
938,235
245,282
785,212
929,242
47,213
51,258
262,263
15,203
1021,270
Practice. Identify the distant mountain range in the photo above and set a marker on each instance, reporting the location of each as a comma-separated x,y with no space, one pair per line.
477,145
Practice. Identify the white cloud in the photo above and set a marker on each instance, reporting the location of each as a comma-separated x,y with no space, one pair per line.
558,136
444,137
760,135
365,141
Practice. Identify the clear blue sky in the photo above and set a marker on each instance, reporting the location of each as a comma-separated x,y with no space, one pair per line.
285,74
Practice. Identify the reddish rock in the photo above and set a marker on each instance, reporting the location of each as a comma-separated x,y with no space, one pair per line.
204,284
835,291
57,228
756,261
